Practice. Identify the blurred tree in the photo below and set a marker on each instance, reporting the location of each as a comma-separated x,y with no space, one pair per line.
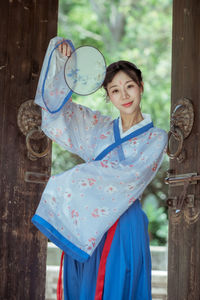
145,39
139,31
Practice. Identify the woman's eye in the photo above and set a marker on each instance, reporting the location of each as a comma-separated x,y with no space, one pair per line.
115,91
130,86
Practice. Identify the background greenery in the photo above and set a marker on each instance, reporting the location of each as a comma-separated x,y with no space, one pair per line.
139,31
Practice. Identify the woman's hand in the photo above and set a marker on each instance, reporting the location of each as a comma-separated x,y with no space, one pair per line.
64,48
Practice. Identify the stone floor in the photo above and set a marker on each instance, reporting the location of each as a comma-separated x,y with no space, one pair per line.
159,284
159,272
51,282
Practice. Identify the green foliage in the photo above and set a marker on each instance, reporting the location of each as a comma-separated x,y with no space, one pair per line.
158,224
139,31
63,160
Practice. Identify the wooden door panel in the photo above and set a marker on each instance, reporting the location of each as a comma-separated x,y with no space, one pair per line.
26,28
184,227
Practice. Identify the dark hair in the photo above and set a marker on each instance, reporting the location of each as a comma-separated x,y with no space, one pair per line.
127,67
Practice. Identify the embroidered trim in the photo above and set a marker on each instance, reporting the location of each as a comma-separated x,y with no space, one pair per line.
124,139
117,137
45,78
50,232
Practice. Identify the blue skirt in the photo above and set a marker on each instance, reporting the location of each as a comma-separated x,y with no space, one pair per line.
128,266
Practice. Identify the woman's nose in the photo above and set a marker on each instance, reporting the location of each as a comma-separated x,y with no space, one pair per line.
125,94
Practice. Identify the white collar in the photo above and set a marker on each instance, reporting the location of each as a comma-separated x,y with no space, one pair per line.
147,120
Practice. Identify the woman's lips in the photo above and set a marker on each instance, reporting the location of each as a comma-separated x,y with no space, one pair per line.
127,104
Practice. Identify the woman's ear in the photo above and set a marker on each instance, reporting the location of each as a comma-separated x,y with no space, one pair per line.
142,87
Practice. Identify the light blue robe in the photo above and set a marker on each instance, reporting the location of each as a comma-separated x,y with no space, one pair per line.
79,206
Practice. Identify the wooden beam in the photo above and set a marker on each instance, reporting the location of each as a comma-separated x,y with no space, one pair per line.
26,28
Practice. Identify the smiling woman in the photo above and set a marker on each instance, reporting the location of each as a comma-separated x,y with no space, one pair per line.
93,211
124,86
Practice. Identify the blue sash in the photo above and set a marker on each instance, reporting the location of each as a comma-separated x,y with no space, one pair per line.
119,140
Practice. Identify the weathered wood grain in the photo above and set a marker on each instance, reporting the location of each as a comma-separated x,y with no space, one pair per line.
184,235
25,31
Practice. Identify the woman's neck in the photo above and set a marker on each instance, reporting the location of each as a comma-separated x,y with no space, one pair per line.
130,120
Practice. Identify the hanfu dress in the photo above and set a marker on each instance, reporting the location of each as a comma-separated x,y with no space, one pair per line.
81,205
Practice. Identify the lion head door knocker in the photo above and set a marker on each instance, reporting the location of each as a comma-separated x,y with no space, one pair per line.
182,120
29,122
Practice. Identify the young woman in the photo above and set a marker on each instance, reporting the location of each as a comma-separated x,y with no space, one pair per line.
93,211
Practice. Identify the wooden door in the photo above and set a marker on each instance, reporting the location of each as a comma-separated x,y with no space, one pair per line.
26,28
184,226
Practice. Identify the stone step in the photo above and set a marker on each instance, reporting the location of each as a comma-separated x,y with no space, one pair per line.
159,284
52,273
159,273
158,255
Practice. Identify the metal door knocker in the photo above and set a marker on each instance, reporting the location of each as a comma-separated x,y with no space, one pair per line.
182,120
29,121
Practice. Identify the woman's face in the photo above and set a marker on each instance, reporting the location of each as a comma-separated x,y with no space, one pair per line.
125,94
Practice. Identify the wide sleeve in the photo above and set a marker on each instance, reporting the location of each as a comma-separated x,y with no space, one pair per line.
52,91
127,179
80,205
75,128
72,126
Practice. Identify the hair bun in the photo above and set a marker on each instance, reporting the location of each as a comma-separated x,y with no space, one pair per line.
122,65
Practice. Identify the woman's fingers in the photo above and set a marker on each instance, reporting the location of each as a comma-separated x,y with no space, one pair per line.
69,50
64,48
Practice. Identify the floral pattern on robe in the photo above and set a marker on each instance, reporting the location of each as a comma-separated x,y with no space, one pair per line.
81,204
84,202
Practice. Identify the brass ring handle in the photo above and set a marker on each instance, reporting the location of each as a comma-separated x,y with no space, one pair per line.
178,135
32,152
